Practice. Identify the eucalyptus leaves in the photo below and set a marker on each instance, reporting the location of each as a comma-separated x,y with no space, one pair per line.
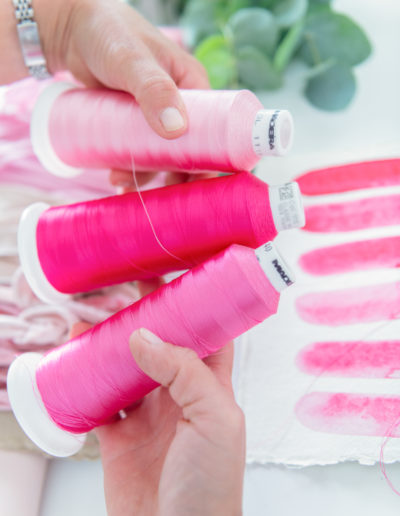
251,43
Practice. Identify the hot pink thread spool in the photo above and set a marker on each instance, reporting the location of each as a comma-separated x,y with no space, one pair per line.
86,381
76,128
85,246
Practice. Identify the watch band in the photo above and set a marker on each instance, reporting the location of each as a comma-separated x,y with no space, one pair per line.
28,35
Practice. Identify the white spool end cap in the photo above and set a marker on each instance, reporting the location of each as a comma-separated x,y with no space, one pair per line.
276,269
287,206
40,135
29,257
272,132
31,413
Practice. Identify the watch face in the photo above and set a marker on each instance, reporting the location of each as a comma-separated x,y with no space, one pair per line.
30,44
39,72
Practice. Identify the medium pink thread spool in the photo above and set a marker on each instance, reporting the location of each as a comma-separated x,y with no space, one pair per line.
75,128
86,381
85,246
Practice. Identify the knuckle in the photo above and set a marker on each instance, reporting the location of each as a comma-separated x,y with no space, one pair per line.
156,86
234,418
187,355
199,67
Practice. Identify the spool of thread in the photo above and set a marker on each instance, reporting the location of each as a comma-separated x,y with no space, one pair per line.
85,246
74,128
82,384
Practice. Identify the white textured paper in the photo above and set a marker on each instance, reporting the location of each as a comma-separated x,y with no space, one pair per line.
269,382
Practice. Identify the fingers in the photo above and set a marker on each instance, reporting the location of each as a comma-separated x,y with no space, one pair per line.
139,73
125,178
148,286
221,364
79,328
193,75
192,385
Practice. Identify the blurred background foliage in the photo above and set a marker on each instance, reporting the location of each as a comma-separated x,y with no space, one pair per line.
251,44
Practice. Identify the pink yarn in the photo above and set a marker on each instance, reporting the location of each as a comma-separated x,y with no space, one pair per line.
104,128
124,238
89,379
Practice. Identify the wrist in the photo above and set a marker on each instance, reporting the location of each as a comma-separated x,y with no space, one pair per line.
53,18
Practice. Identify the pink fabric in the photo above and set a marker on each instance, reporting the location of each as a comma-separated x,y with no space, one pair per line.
18,164
25,323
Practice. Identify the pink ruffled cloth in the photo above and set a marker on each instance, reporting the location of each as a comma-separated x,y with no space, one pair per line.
18,164
26,324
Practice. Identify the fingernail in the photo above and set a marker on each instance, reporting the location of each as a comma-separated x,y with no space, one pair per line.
149,337
171,119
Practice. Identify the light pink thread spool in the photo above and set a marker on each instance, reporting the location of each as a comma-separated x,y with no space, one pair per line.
88,380
82,247
75,128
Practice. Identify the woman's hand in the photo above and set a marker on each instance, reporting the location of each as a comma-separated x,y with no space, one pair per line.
107,42
181,450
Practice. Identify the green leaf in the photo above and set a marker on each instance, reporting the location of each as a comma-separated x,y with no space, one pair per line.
328,34
218,59
226,9
254,27
288,12
200,20
288,46
332,88
256,71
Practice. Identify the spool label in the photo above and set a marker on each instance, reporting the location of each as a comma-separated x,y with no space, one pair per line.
274,266
286,206
264,132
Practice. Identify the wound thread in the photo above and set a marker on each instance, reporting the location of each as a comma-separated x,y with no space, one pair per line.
84,128
94,376
91,244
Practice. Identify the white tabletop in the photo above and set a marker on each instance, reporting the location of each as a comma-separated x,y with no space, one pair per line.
373,122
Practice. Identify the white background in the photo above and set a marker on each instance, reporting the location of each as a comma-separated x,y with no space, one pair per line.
374,122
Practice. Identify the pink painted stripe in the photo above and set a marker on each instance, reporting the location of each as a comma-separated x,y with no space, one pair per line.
366,254
354,176
350,414
374,359
353,215
351,306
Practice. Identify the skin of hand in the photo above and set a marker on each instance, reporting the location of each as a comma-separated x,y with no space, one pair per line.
180,450
108,43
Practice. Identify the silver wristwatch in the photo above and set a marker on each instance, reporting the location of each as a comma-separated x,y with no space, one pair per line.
28,35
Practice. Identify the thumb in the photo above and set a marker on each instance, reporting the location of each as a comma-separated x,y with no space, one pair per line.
191,384
136,71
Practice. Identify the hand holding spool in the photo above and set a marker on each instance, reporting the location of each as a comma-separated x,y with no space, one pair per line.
75,128
53,410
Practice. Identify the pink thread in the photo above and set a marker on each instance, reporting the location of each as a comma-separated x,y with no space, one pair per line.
353,176
350,413
382,464
352,256
354,305
103,128
86,245
361,359
354,215
89,379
